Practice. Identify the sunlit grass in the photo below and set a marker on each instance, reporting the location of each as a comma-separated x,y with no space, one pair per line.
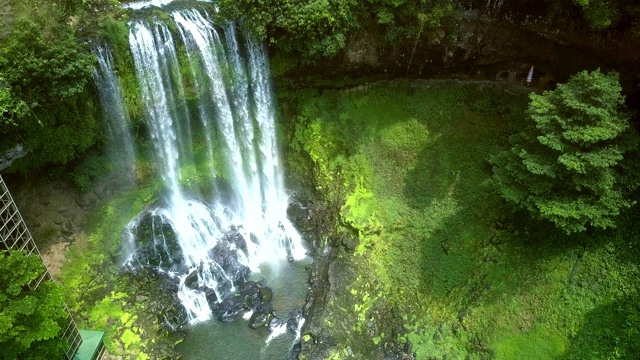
471,277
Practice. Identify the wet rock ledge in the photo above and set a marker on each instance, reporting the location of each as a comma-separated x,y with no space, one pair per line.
331,277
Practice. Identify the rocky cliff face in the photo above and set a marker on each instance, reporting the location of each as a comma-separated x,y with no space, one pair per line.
484,42
56,214
9,156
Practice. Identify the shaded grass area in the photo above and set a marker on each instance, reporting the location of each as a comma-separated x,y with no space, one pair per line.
471,278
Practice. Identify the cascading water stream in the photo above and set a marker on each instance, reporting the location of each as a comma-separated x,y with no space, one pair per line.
211,246
147,48
114,111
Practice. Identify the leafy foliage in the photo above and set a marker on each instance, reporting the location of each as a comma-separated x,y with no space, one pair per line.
94,290
92,167
30,321
464,277
11,108
313,28
43,67
319,28
606,14
45,73
404,20
566,165
599,13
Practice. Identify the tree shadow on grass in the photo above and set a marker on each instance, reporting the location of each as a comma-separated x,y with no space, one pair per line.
609,331
499,267
462,247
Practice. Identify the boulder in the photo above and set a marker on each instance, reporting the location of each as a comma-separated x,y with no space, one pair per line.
230,307
265,294
173,316
192,280
226,258
9,156
156,245
261,319
294,320
249,291
275,323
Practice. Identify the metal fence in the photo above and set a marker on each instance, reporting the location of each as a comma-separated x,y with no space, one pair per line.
14,235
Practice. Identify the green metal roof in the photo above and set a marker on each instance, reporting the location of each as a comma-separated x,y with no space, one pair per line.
91,341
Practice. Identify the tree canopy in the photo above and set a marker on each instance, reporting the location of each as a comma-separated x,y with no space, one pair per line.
568,164
602,14
46,101
31,322
319,28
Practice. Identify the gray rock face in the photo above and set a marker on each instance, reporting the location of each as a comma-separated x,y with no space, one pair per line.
482,41
9,156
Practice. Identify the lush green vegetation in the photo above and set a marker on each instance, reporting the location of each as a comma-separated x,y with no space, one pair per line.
469,277
94,289
317,29
311,27
31,321
405,168
571,162
46,98
321,28
45,73
603,14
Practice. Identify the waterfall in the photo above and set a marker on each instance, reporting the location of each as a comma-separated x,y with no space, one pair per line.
114,111
212,247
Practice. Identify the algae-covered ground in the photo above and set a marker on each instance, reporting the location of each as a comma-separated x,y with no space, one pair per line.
439,252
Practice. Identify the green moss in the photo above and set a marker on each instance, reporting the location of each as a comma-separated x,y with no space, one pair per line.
359,211
408,169
535,344
89,276
129,339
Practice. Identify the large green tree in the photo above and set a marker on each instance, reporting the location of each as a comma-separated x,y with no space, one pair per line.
31,321
568,164
45,77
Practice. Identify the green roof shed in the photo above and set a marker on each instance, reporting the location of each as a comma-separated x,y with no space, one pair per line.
91,345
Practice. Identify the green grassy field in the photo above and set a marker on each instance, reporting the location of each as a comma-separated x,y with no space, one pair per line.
471,278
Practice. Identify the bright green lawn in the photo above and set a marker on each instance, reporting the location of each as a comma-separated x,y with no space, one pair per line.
472,278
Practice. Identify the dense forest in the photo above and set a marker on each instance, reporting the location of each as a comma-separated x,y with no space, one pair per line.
464,174
47,61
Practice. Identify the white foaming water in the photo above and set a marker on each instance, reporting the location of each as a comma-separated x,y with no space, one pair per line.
145,4
277,331
235,116
299,329
194,302
247,315
148,47
150,3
